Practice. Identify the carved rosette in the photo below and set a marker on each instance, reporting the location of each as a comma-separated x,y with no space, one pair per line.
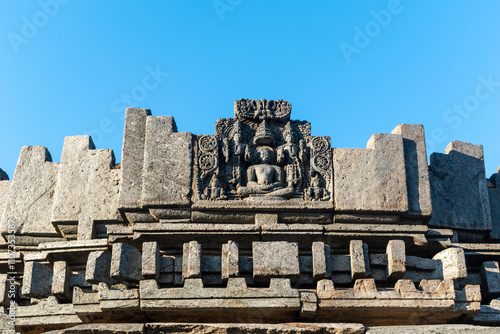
207,165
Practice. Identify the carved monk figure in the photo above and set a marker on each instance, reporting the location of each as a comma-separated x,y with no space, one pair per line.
265,179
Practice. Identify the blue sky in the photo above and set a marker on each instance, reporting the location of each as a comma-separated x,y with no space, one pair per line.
351,68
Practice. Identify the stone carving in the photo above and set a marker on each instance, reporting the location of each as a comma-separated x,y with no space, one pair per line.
265,178
261,153
263,109
208,183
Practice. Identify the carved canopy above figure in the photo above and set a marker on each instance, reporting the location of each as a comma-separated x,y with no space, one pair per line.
263,154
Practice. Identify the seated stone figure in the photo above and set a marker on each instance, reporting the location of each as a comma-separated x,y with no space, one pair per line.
265,179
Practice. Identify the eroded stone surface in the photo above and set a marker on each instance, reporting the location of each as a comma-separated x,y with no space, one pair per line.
458,189
417,175
275,259
372,179
134,137
167,164
126,263
30,198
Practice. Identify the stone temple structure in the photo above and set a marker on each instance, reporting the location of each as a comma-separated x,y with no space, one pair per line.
259,228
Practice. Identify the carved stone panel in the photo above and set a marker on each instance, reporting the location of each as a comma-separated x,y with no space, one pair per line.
262,154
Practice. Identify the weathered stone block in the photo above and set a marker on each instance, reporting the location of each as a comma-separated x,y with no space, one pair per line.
372,179
60,280
87,186
266,219
150,260
452,263
30,197
98,267
417,175
167,174
125,263
37,280
321,260
360,260
490,280
72,179
191,260
134,138
458,189
275,259
230,260
396,259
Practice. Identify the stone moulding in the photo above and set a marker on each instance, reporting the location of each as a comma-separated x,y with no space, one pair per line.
259,224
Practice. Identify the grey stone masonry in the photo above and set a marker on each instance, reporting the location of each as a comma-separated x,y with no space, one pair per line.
293,232
134,137
396,259
275,259
31,192
372,179
191,260
458,187
60,280
360,261
98,267
230,260
417,175
37,280
87,187
150,260
490,280
125,263
452,262
321,260
167,174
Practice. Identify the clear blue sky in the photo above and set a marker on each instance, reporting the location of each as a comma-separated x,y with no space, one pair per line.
351,68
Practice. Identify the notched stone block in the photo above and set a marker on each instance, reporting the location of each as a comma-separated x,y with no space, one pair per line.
490,280
372,179
230,260
125,263
360,260
167,171
459,192
417,175
30,196
60,281
191,260
37,280
396,259
150,260
321,260
275,259
134,137
98,267
452,263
